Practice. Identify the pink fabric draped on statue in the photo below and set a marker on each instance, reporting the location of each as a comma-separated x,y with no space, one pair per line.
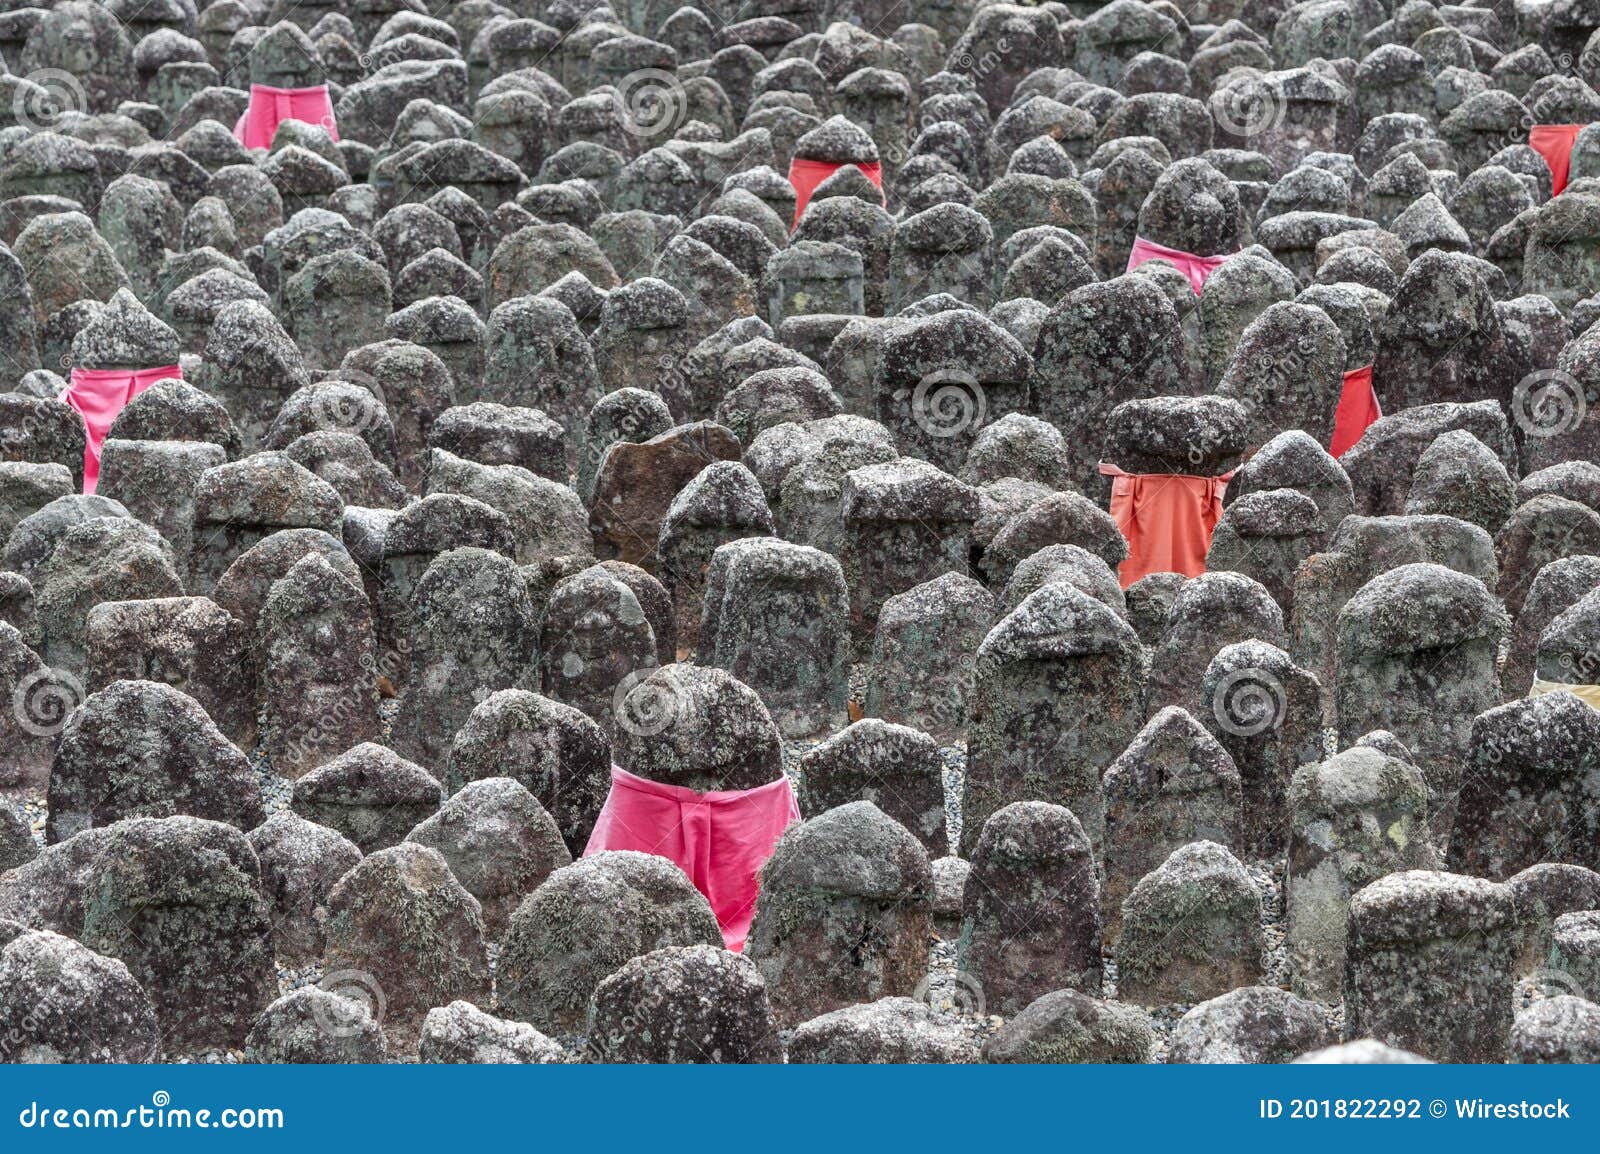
1196,268
270,107
720,839
98,395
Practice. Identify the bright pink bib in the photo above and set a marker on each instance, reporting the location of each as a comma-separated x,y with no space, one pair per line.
806,175
270,107
1196,268
720,839
99,395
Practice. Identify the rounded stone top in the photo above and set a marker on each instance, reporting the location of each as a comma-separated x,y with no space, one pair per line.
1200,860
945,228
1577,934
1072,564
1058,623
1356,781
1248,1025
853,850
1417,607
1176,434
368,775
907,489
1193,208
124,334
722,495
645,303
837,140
1030,835
1274,513
1416,906
697,727
1365,1052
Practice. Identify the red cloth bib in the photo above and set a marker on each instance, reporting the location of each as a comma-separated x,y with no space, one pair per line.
98,395
1358,408
1554,143
720,839
1196,268
805,175
1167,519
270,107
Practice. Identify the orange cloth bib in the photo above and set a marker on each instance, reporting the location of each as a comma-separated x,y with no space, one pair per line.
1167,518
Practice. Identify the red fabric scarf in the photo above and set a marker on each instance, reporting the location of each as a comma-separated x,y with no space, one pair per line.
99,395
1554,143
806,175
1358,408
1167,519
720,839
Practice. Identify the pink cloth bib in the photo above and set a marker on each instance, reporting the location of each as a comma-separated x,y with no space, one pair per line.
270,107
1196,268
99,395
720,839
